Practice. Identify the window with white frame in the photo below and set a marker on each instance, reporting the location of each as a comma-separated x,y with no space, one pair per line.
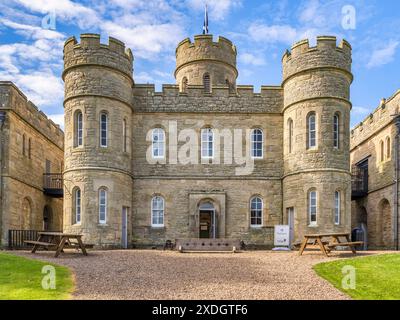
257,141
157,212
336,129
337,207
78,126
158,143
312,207
256,212
103,206
207,143
103,129
312,131
77,205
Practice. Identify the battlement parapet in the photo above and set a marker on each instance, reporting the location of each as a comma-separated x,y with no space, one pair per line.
12,98
326,53
382,116
194,99
204,48
90,51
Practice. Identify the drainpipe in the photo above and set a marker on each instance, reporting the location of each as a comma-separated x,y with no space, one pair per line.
396,186
2,120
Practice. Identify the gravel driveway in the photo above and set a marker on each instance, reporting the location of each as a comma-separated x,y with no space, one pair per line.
169,275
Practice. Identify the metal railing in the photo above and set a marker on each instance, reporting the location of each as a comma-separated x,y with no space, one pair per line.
53,184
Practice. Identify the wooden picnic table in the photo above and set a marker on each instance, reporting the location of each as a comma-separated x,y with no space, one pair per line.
58,240
327,246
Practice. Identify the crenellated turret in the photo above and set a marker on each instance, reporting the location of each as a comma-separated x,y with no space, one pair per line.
194,61
98,115
316,84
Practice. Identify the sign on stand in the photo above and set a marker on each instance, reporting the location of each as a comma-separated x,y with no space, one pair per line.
282,236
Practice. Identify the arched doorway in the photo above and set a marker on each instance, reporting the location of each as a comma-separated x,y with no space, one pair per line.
26,215
208,223
384,224
47,218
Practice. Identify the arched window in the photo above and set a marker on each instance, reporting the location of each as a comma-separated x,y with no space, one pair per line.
103,129
337,207
102,206
388,148
312,207
184,85
290,133
158,143
207,83
23,145
157,212
336,131
256,212
257,141
124,136
26,217
311,131
382,151
77,199
78,129
207,143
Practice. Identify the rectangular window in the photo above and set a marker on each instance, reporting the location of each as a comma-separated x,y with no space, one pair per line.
103,130
102,206
336,131
256,212
312,131
337,207
78,206
157,212
257,144
313,208
158,144
207,143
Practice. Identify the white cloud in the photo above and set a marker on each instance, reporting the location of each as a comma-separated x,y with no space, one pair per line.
65,10
382,56
218,9
143,77
272,34
33,32
251,59
360,111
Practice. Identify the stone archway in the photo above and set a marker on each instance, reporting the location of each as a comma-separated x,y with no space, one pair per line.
208,222
384,224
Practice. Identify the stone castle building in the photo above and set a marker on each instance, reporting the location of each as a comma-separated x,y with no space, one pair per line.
204,158
375,165
31,151
133,177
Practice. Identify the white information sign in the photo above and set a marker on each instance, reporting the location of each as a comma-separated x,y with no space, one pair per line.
282,234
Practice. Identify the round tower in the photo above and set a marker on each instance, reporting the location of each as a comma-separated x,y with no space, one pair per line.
205,61
317,180
98,115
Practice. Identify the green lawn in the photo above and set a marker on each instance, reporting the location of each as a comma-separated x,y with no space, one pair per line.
377,277
21,279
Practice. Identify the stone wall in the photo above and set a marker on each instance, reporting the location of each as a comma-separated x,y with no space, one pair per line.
377,209
181,217
24,202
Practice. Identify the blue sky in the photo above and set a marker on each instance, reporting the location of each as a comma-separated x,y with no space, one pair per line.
31,55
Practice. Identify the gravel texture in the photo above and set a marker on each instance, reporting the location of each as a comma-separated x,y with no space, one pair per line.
260,275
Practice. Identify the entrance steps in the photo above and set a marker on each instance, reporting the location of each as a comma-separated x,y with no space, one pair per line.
207,245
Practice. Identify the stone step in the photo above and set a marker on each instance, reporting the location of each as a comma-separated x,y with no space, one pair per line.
207,245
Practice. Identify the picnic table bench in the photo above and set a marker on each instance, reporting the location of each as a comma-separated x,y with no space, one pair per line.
59,241
326,246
